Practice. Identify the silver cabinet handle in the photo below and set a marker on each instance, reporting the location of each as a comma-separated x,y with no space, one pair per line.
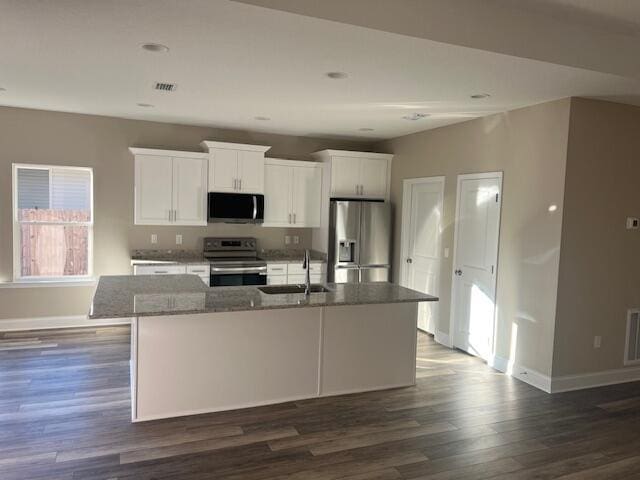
294,218
235,183
361,189
175,215
239,184
289,218
160,271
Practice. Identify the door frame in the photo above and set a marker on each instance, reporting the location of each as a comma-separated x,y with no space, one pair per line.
452,313
407,183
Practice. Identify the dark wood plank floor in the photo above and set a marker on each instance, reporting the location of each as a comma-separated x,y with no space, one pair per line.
64,414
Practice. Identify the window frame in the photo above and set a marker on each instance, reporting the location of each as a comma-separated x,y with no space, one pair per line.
17,264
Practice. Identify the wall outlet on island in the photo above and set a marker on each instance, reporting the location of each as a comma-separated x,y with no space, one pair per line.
154,238
178,239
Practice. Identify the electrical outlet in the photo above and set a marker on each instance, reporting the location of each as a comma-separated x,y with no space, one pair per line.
296,239
154,238
287,239
597,341
633,223
178,239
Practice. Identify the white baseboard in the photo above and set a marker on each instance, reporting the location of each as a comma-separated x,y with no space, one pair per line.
566,383
442,338
525,374
13,324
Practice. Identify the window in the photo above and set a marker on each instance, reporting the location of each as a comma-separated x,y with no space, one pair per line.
52,222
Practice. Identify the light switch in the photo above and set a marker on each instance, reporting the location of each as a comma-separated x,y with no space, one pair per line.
597,341
178,239
154,238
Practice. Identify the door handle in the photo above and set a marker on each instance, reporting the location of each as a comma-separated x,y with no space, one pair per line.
409,260
458,272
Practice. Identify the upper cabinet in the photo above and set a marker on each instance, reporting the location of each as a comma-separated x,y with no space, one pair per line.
235,167
292,193
170,187
357,174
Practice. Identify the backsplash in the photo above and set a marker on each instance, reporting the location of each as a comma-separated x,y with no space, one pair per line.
268,238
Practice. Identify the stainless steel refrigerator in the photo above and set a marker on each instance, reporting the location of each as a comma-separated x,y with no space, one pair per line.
359,241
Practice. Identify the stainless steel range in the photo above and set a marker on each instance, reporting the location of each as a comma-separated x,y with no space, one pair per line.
234,261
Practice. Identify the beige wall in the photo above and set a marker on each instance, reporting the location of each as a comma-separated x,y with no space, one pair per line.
599,275
529,146
42,137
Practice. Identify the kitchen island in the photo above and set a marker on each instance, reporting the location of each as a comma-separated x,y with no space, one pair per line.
197,349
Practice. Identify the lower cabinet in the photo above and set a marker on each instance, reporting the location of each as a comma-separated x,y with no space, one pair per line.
293,273
202,270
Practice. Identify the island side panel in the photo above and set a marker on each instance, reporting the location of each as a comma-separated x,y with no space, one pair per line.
368,347
189,364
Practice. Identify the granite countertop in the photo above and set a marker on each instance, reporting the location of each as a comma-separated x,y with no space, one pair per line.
167,257
120,296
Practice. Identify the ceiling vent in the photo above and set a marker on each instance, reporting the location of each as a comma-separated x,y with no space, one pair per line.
165,87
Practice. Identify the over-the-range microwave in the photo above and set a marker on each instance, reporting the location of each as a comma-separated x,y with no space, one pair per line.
235,208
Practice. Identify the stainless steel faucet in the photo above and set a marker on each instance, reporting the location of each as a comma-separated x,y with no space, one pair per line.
306,264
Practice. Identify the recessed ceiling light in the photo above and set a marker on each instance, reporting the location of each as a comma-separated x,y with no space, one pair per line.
262,119
479,96
144,105
366,129
337,75
416,116
155,47
553,208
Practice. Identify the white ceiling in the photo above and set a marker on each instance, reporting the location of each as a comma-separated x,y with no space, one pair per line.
233,62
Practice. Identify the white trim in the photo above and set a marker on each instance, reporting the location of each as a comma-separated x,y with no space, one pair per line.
351,153
460,179
133,371
567,383
522,373
291,163
81,282
41,323
442,338
168,153
208,145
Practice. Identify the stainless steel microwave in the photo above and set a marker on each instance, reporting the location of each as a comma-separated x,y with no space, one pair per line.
235,208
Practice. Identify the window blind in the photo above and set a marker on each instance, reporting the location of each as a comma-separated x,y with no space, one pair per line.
33,188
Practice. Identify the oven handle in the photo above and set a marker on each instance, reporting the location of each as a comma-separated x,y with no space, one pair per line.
239,269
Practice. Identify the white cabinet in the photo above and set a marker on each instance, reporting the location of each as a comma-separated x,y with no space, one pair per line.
293,273
159,269
203,271
357,174
292,193
235,167
170,187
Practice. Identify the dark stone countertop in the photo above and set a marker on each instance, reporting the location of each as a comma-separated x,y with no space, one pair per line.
121,296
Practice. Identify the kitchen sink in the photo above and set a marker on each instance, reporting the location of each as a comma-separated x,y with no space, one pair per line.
284,289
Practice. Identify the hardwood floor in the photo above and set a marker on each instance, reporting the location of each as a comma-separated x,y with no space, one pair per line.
64,414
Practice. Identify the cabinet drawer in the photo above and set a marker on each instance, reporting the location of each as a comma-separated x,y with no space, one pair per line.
202,270
159,269
276,279
296,268
276,268
299,279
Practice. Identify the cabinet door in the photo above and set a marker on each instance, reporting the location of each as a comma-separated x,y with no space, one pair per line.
190,191
276,279
251,171
306,198
373,177
153,186
277,196
345,176
223,170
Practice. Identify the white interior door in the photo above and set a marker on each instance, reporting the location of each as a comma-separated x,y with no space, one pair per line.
475,262
422,244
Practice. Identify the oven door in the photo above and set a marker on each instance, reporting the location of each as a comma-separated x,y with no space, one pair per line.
237,276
